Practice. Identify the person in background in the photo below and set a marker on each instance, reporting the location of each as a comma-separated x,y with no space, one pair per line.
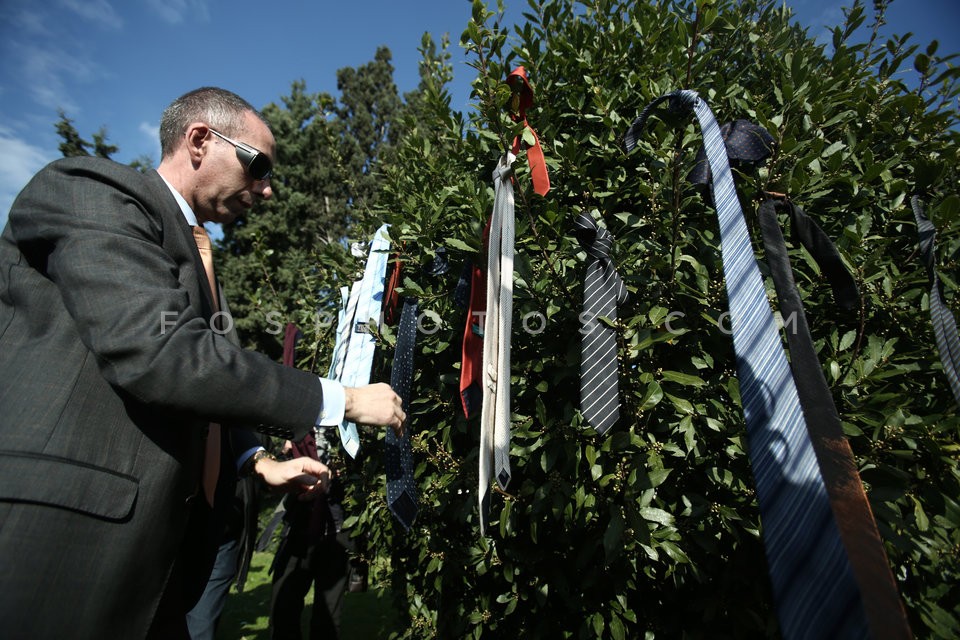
232,562
126,405
313,551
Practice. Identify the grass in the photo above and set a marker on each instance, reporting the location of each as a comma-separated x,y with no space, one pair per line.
246,616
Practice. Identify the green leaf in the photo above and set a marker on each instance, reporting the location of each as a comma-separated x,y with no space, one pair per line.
651,397
684,379
528,137
613,538
659,516
455,243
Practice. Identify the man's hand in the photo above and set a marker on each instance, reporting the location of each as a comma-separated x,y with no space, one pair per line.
303,475
375,404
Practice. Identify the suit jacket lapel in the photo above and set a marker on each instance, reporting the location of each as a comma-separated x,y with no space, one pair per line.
183,248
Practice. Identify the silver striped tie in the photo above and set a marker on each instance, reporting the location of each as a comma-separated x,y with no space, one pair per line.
603,290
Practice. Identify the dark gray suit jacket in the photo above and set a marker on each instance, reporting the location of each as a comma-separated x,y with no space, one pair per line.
109,374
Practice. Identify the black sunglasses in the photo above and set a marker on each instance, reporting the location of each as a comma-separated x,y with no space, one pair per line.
256,163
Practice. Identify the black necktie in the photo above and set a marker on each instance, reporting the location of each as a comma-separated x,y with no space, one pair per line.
944,325
855,522
401,491
603,290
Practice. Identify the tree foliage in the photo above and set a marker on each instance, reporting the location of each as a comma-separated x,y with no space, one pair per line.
653,530
286,262
72,144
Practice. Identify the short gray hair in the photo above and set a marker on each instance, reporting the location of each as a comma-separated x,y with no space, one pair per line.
221,109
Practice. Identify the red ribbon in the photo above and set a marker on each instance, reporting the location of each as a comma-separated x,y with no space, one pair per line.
522,99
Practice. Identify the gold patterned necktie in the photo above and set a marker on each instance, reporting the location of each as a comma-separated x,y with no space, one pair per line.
211,459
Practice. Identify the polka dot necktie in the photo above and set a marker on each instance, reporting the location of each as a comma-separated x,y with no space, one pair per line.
401,490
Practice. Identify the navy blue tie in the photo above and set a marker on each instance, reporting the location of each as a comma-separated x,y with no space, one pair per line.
401,491
814,587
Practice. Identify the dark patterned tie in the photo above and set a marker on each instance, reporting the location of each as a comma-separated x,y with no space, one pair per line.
401,490
813,584
944,324
603,290
747,145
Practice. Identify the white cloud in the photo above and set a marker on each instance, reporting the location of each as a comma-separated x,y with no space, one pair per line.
26,21
96,11
48,68
152,132
178,11
19,160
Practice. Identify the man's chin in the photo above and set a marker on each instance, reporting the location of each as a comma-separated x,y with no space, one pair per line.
226,217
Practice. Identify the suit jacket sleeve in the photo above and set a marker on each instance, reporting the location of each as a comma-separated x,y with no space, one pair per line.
115,244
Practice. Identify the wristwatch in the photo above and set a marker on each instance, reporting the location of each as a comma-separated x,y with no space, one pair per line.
251,463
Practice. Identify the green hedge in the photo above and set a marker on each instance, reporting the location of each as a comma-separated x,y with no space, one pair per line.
653,530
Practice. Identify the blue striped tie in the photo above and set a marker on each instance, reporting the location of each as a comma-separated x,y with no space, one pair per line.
813,585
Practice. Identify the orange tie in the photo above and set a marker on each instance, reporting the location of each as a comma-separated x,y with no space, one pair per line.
211,460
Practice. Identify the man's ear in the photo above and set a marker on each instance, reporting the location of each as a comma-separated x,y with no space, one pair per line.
195,140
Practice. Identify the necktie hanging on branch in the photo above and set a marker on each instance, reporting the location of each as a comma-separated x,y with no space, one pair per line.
497,323
355,345
521,100
944,324
603,290
816,592
402,497
473,289
495,412
401,490
848,499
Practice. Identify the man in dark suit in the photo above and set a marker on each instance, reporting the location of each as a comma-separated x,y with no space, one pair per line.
112,375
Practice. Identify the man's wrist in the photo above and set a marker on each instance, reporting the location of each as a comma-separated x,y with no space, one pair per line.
332,405
250,466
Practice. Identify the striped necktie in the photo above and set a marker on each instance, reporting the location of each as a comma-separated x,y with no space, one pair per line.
944,324
495,410
211,458
603,290
851,508
814,588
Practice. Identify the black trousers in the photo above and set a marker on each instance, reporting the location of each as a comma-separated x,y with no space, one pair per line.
323,565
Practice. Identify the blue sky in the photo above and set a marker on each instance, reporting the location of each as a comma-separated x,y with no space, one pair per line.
117,63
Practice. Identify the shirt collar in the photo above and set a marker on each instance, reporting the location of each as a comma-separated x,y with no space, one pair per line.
184,207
